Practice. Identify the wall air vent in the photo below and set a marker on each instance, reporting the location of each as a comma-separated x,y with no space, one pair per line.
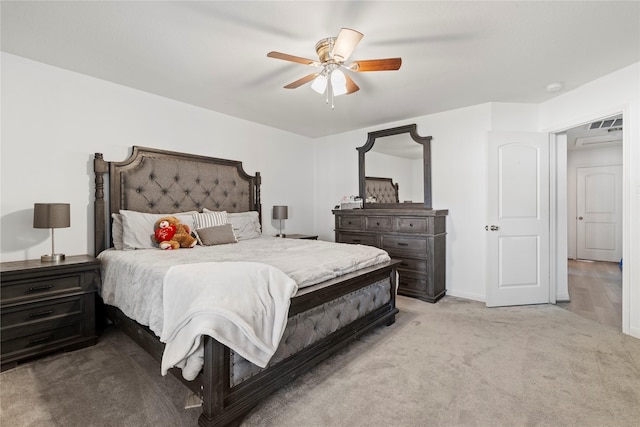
604,124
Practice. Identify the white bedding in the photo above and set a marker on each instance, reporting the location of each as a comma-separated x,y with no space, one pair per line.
132,280
212,298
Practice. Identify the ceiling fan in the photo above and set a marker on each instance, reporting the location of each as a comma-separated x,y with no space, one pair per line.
333,53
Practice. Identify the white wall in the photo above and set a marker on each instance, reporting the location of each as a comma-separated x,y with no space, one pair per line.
604,156
53,121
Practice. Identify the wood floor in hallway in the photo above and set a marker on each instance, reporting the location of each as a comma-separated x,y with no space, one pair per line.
595,289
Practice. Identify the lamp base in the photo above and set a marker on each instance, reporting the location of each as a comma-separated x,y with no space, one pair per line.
52,258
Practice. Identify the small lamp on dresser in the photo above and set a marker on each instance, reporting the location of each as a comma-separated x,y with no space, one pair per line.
280,212
51,215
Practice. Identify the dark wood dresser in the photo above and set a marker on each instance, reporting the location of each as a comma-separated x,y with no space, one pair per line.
417,237
47,307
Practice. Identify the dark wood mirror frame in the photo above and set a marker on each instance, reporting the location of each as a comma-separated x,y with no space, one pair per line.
425,141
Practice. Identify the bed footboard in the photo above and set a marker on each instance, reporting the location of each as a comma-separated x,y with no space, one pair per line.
227,405
224,403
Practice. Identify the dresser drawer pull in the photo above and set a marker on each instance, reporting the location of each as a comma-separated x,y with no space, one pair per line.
349,222
40,340
410,224
403,244
377,223
41,314
40,288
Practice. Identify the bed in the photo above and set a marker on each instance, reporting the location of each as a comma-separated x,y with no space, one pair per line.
381,190
324,314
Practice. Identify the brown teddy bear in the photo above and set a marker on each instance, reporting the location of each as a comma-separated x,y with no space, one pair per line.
170,233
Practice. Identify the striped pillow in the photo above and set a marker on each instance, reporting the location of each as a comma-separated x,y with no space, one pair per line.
208,219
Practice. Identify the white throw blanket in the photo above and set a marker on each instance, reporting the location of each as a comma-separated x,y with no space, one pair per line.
243,305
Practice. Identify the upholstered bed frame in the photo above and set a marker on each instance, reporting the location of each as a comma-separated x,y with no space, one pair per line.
382,189
159,181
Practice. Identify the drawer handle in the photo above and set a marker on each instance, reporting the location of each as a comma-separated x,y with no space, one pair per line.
41,314
40,288
410,224
377,223
40,340
403,244
349,222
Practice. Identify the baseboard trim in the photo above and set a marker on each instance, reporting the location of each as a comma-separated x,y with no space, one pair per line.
466,295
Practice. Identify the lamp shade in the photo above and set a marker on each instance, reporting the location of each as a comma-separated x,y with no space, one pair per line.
51,215
280,212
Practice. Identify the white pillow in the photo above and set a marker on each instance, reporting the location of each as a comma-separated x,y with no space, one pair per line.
137,227
116,231
246,225
206,220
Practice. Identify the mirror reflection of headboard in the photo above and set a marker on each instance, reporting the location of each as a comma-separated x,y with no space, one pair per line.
382,190
411,133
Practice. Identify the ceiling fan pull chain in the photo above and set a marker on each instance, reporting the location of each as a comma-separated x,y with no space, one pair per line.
330,90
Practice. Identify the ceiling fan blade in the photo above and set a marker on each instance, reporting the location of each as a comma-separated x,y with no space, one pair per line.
351,85
300,82
376,65
291,58
346,42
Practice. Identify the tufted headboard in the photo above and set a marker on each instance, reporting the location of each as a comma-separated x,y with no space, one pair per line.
159,181
383,189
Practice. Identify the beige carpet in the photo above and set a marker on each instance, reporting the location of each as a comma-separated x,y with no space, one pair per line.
454,363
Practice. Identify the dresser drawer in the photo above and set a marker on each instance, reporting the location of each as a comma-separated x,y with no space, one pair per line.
351,222
40,288
38,312
410,283
395,243
38,340
412,225
378,223
354,238
411,264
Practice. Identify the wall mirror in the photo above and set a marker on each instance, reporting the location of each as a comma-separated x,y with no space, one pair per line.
395,160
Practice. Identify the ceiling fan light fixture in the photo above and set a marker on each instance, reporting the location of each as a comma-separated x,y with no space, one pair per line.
319,84
338,83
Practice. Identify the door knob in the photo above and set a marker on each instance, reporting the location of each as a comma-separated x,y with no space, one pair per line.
494,228
580,218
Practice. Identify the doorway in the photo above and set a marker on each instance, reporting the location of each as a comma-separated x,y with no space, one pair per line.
594,157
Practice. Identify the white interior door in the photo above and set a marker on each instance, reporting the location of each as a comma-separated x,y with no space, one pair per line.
518,219
599,213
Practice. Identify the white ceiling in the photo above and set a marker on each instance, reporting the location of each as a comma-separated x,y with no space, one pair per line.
213,53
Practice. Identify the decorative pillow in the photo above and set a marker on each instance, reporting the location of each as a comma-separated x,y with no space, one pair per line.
246,225
216,235
137,227
208,219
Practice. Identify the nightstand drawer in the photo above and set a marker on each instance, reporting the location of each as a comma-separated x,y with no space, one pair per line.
41,288
359,239
47,306
38,340
351,222
29,313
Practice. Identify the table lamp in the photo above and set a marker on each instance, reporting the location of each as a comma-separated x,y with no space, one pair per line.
280,212
51,215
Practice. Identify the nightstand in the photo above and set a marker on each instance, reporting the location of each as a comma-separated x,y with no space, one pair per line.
47,306
300,236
